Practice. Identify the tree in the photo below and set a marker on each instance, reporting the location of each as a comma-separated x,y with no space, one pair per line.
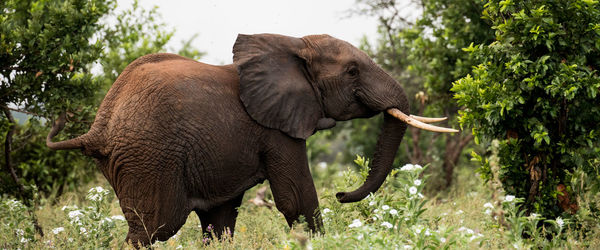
436,41
535,90
425,52
45,49
36,81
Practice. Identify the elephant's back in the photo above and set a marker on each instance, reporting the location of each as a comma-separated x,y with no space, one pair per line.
172,92
179,112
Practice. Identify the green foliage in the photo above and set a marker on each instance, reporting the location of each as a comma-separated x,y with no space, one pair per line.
49,171
91,222
396,216
435,42
44,50
16,228
48,50
536,91
425,55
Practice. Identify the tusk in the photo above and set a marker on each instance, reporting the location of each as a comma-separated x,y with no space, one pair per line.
428,119
418,124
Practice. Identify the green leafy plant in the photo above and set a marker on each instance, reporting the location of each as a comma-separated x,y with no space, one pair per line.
536,91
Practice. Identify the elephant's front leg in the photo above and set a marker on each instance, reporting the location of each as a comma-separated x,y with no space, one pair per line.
291,183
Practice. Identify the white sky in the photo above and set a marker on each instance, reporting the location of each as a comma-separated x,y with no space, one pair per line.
217,22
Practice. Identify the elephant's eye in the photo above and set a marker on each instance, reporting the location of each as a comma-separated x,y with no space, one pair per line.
353,71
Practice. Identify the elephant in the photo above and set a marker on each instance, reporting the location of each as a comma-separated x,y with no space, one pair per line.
174,135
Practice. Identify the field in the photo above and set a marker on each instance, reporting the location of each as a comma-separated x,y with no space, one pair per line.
398,216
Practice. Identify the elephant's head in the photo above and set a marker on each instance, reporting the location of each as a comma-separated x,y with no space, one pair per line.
297,84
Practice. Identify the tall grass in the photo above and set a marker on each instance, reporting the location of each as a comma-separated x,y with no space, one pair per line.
398,216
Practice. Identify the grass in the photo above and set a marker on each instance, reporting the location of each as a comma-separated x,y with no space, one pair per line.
398,216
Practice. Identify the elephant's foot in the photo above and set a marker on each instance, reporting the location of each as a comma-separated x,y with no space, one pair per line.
220,221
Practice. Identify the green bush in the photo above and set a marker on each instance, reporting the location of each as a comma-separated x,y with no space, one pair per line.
50,171
536,91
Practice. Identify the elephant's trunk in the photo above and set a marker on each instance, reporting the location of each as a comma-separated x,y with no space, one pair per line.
387,145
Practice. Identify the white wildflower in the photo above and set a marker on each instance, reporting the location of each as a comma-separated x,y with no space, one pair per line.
488,211
360,237
97,189
326,211
19,232
408,247
443,240
117,217
179,247
82,230
376,211
427,232
58,230
95,197
459,211
509,198
488,205
460,229
374,218
106,220
24,240
372,203
69,207
322,165
412,190
560,222
387,224
13,204
417,182
355,223
408,167
534,215
385,207
75,213
393,212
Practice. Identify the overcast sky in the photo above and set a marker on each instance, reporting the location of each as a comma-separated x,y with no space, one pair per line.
217,22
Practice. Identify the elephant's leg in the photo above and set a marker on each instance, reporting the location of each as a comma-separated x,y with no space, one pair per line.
291,182
155,208
220,219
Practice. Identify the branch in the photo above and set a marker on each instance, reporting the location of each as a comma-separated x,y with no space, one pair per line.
465,140
7,151
8,165
22,111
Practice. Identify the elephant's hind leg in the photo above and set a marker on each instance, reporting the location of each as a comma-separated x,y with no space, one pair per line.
220,219
155,208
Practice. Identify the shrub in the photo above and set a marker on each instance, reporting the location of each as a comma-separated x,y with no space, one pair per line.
536,91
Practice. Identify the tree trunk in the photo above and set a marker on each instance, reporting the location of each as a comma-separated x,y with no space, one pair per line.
8,150
454,146
8,141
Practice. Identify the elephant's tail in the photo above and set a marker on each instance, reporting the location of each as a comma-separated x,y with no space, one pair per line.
75,143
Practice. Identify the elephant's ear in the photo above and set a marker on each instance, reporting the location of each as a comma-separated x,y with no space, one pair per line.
273,83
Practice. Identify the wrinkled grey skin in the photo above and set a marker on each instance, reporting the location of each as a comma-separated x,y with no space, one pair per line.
174,135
